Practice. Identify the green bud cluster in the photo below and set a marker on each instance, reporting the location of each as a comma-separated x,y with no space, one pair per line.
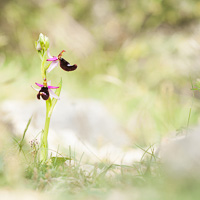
42,44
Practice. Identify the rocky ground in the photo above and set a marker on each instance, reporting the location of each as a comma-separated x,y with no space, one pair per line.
84,125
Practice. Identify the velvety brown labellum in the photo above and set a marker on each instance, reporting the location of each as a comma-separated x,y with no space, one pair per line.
44,93
66,65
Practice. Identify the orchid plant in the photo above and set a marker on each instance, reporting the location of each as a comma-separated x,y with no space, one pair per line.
45,91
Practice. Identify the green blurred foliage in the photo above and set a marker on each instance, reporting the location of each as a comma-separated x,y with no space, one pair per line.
21,21
129,55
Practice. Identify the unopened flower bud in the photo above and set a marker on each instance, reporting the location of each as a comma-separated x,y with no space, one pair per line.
42,43
46,42
38,46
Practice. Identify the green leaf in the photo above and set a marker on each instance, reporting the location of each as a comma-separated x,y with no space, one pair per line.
59,160
54,101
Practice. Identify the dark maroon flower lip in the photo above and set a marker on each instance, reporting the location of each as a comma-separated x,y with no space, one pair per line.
46,91
65,65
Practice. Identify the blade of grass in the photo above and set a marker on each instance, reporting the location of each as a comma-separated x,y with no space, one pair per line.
22,140
188,122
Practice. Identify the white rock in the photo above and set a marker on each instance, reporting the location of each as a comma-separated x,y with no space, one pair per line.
181,155
84,125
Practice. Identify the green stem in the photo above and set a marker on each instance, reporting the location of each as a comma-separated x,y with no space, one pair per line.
44,136
43,70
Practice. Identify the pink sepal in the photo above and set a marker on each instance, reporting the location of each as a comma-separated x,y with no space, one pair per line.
40,85
52,59
52,87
